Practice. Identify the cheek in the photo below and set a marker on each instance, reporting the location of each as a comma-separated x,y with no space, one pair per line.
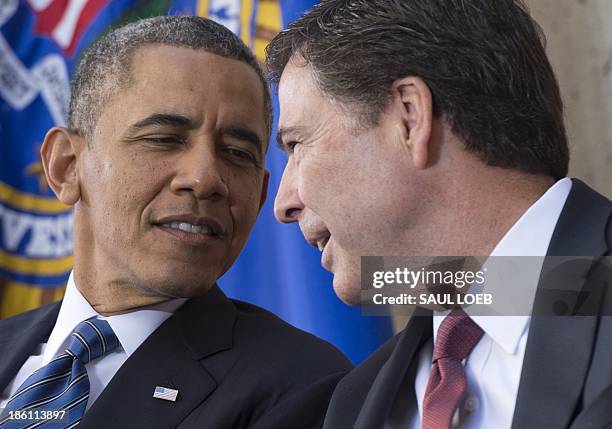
317,181
120,196
245,195
350,201
138,177
331,190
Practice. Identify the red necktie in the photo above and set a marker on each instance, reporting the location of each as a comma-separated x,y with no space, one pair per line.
457,336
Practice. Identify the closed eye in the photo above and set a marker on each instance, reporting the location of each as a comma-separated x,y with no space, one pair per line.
165,141
290,146
240,153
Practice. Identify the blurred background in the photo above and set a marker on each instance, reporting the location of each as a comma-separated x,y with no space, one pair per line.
40,42
579,34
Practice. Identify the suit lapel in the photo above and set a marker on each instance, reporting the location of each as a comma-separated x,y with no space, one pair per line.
171,357
381,396
559,348
19,337
556,361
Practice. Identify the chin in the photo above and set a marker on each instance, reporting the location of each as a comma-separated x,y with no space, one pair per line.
348,292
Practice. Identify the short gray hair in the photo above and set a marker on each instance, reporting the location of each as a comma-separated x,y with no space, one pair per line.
104,68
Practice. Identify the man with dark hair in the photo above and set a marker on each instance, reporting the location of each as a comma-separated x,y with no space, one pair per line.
435,127
163,162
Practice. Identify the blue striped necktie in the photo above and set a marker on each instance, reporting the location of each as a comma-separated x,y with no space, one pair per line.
62,384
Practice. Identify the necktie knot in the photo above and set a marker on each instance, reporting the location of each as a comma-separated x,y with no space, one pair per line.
91,339
457,335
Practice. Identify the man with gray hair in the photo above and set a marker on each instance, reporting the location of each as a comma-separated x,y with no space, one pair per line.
163,162
425,128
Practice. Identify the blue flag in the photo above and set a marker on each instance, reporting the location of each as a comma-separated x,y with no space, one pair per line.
40,42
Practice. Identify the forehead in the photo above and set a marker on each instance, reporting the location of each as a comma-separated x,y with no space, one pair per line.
155,62
190,82
301,101
298,93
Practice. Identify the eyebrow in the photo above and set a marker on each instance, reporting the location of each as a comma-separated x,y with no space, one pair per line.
165,119
244,134
181,121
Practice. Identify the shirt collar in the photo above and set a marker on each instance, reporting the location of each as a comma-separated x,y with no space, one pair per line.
529,236
132,328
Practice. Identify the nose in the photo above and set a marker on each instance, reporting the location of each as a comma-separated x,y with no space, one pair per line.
198,171
288,205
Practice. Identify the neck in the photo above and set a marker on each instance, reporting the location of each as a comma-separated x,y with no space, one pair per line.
498,204
486,210
474,206
110,297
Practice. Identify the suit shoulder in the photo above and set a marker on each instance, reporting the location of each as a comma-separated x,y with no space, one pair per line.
360,379
270,375
28,319
272,338
352,390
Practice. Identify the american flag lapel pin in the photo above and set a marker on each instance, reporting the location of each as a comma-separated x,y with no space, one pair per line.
165,393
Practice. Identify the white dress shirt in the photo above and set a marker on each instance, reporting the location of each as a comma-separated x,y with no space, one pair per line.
493,369
132,329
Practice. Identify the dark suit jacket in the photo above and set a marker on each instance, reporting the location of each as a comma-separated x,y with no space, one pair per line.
234,365
566,381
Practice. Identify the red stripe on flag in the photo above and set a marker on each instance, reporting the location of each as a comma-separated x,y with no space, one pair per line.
88,14
47,20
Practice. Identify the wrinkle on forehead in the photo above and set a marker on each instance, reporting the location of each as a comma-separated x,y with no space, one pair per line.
225,97
303,104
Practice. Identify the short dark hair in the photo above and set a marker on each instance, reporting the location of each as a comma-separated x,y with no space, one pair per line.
483,60
104,68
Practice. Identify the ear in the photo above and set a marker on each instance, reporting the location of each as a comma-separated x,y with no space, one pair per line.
264,188
59,155
414,97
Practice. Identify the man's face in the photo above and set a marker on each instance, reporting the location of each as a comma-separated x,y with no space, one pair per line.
174,177
348,188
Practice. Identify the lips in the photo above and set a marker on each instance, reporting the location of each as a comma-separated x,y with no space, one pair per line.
320,239
188,222
192,229
326,258
322,242
315,232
